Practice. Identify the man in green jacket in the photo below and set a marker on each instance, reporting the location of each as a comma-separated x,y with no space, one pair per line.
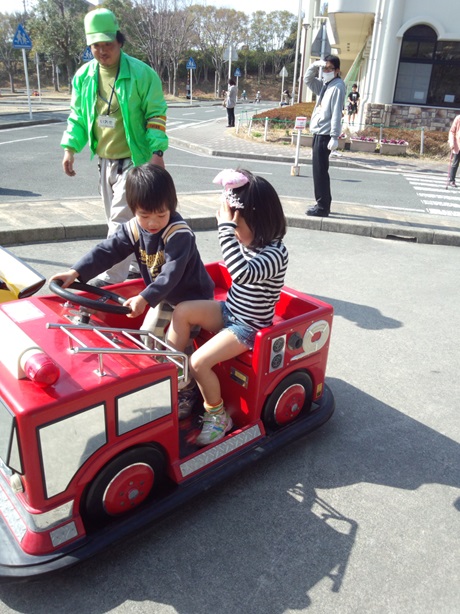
118,108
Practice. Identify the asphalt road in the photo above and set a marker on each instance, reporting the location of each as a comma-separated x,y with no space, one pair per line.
362,517
31,168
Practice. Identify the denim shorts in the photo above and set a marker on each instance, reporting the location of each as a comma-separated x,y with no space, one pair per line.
243,332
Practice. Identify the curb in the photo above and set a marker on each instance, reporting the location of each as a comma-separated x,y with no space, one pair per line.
395,232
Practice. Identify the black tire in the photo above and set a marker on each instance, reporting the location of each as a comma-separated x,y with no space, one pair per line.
291,399
123,484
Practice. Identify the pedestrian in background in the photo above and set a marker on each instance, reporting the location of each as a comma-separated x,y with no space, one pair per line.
454,144
230,103
353,103
118,107
286,98
325,125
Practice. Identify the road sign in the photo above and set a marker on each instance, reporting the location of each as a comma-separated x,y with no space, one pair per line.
230,53
87,55
284,72
317,45
191,64
21,39
237,73
300,123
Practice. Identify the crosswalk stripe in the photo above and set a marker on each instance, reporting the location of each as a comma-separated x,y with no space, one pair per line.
433,195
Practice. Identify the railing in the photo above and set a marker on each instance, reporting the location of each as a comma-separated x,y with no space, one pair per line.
160,350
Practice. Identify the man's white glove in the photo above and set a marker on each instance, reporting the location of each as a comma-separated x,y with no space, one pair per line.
319,63
333,144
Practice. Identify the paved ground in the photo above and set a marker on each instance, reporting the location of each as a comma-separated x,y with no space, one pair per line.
66,219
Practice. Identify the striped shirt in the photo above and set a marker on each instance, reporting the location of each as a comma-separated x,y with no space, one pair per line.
257,277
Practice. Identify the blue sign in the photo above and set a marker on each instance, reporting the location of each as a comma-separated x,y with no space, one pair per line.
21,39
237,73
191,64
87,55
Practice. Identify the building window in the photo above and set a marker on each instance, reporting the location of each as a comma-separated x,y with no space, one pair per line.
428,70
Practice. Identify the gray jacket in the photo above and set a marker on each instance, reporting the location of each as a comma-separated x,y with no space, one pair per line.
230,101
326,117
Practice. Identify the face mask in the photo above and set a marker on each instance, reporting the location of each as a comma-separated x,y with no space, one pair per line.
328,76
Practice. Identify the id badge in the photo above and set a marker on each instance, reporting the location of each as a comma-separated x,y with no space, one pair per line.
105,121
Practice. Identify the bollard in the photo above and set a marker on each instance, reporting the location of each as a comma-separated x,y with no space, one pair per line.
295,170
266,129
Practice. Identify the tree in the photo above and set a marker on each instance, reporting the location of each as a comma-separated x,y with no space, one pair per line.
215,29
9,57
58,31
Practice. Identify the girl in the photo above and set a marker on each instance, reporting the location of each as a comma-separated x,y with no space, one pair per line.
251,225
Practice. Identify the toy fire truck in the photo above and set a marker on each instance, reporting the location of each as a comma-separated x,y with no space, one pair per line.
91,447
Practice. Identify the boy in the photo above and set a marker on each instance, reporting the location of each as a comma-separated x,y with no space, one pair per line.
165,248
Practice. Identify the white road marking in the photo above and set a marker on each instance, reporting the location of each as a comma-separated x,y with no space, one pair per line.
33,138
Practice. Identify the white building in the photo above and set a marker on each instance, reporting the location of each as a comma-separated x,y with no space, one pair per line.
403,54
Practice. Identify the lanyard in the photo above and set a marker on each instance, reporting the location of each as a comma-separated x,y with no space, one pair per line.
112,87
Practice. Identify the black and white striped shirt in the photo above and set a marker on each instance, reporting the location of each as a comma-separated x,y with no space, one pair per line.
257,277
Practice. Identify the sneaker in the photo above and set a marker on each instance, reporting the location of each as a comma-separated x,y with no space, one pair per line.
187,399
97,282
214,428
452,184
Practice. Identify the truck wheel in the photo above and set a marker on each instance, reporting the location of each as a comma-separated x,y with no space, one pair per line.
290,399
124,484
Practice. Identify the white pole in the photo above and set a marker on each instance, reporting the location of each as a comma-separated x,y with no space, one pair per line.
24,59
297,49
38,77
191,85
230,61
282,88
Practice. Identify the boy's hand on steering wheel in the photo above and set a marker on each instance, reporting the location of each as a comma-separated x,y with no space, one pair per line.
137,304
67,278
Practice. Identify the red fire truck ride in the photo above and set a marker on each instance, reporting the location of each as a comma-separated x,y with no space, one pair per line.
91,447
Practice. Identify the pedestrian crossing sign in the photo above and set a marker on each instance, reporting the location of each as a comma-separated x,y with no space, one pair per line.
87,55
21,39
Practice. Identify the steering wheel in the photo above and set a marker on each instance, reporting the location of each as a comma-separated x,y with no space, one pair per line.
56,286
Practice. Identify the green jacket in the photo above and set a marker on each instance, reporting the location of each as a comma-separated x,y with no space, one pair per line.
143,108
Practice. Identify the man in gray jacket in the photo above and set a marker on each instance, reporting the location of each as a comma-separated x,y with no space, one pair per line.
325,125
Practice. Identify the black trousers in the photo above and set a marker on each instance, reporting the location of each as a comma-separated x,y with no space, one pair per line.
231,116
321,179
454,166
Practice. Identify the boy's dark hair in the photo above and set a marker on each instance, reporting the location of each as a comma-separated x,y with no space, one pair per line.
231,82
151,188
354,85
263,211
334,60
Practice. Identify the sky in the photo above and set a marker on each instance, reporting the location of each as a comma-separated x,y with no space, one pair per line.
10,6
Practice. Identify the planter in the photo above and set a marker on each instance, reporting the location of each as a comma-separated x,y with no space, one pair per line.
364,146
393,149
306,140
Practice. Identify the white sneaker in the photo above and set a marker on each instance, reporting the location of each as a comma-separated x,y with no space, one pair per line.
214,428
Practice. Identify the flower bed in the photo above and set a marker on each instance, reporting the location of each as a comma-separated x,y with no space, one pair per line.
393,147
363,144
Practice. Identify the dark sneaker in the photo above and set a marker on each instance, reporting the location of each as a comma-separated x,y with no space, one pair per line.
452,184
97,282
187,399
